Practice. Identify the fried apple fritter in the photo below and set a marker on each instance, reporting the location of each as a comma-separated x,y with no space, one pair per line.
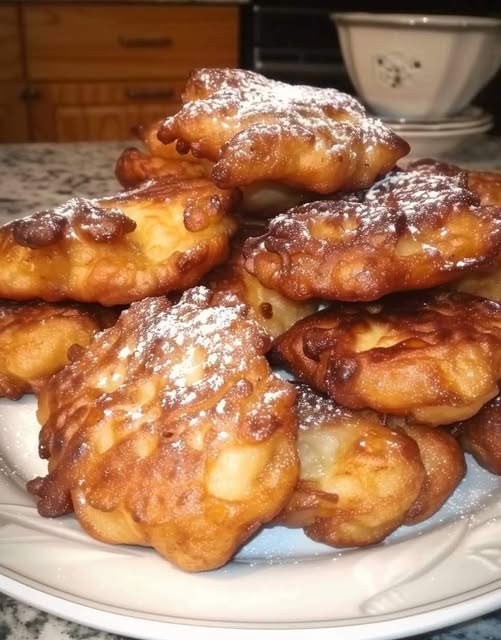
414,229
274,312
256,129
487,285
134,167
481,436
148,135
171,431
358,478
262,199
444,464
487,184
35,338
160,237
433,357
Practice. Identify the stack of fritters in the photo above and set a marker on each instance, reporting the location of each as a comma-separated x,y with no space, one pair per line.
169,429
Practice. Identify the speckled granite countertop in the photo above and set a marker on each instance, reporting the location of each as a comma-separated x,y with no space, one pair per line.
38,176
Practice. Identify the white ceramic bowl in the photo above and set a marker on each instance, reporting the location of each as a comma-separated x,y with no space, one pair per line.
418,66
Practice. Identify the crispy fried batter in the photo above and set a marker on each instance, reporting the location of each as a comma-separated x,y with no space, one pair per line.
413,230
258,129
487,184
481,436
148,135
274,312
171,431
160,237
434,357
134,167
358,478
35,338
444,465
487,285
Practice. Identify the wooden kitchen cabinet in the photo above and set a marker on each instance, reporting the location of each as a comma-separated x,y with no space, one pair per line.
14,122
92,71
99,110
13,113
122,42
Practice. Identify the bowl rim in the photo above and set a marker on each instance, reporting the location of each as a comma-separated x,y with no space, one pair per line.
413,20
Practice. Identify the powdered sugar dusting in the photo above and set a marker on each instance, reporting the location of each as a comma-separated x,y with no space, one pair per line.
193,347
314,409
247,112
421,191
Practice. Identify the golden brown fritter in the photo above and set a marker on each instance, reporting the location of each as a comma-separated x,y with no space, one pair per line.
274,312
358,478
148,135
134,167
444,465
160,237
481,436
260,199
414,229
258,129
487,285
157,159
35,338
171,431
433,357
487,185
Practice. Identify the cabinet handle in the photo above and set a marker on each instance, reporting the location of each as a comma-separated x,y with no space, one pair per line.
30,93
145,42
149,94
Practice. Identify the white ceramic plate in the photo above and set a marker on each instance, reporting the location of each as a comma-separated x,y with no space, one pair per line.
471,117
444,571
440,144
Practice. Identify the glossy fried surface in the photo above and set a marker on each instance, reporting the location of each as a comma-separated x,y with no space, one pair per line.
487,184
433,357
160,237
414,229
487,285
171,431
257,129
134,167
35,338
274,312
148,136
444,465
157,159
358,478
481,436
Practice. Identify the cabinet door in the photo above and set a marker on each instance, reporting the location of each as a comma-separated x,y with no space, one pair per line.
93,42
11,67
13,113
99,111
